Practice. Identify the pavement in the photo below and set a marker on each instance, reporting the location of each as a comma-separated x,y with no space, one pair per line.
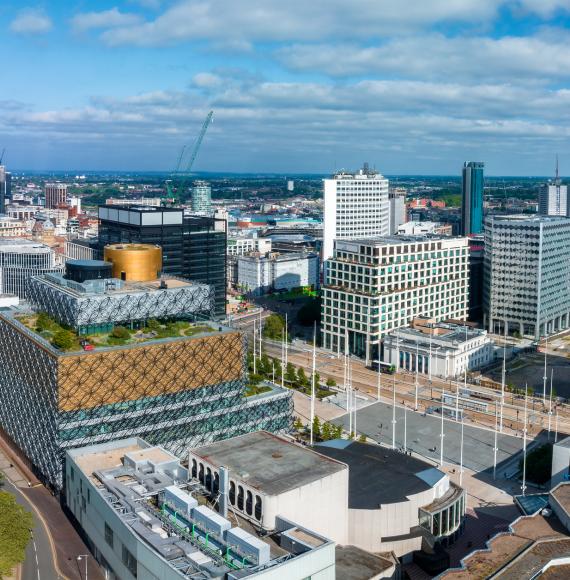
55,544
423,435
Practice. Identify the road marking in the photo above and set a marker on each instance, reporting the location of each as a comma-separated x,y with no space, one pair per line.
36,555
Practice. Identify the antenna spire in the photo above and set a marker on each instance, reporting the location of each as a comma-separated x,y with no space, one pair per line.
557,172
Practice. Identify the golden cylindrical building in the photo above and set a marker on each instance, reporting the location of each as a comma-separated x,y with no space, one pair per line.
134,262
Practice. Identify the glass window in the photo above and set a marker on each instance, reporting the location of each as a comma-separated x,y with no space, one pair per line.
108,535
129,561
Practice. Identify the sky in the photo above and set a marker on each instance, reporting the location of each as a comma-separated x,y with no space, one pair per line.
296,86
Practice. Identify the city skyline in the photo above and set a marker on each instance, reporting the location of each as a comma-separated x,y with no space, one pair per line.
295,89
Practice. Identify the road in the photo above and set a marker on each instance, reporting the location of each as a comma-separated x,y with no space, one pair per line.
367,381
39,562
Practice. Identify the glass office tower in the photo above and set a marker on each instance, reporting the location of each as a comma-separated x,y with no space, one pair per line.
472,202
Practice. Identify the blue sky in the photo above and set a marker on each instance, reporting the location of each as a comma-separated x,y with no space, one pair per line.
412,87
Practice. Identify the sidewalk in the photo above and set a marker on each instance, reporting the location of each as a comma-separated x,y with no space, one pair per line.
64,541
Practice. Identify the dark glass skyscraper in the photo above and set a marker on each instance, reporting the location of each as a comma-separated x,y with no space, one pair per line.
472,202
193,247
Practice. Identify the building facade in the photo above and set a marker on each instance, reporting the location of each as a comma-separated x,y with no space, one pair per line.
397,200
56,194
553,197
141,521
377,285
527,274
193,247
356,205
438,349
5,188
20,260
422,228
274,272
472,201
201,197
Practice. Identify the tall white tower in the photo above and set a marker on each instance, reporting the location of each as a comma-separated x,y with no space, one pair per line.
356,206
553,197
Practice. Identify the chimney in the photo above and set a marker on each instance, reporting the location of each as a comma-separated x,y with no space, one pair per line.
224,491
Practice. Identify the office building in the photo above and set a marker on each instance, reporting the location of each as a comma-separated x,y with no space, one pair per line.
553,197
476,276
356,205
274,272
140,359
377,285
472,201
452,348
193,247
201,198
5,188
357,494
397,201
527,275
243,246
13,228
20,260
56,195
142,520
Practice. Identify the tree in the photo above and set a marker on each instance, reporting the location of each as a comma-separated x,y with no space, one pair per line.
43,322
310,312
290,374
298,425
302,377
274,327
326,432
362,438
153,324
317,380
63,339
316,427
331,382
277,364
338,432
265,367
120,332
15,526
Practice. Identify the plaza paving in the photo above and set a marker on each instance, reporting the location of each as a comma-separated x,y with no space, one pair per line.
423,435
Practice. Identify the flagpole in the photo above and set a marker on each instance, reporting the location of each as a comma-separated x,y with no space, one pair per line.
550,404
503,375
523,489
417,365
495,446
544,385
461,455
313,380
405,427
442,435
254,339
394,413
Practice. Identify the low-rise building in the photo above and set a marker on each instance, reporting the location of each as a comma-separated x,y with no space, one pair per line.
373,286
560,462
13,228
451,349
142,521
357,494
415,228
273,272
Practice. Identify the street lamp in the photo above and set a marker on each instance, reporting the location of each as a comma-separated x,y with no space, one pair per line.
83,557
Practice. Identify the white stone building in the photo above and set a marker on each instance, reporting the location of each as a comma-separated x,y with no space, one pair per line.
373,286
451,348
242,245
356,205
260,274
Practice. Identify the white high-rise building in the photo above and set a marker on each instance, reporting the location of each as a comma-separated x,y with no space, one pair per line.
397,199
356,206
553,197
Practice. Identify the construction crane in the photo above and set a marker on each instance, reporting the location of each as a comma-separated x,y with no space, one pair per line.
2,156
175,195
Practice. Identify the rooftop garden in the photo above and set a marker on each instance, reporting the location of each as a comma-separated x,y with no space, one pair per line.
68,340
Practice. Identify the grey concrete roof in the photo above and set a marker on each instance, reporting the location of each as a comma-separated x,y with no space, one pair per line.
378,475
352,563
269,463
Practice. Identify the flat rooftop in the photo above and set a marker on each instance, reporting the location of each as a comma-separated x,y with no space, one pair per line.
449,333
22,246
352,563
269,463
378,475
562,495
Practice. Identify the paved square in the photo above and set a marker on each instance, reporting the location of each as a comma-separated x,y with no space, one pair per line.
375,421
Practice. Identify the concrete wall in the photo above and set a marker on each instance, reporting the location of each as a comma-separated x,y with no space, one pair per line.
560,512
560,461
321,506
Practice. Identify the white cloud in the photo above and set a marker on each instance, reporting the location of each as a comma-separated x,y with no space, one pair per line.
31,21
106,19
435,56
